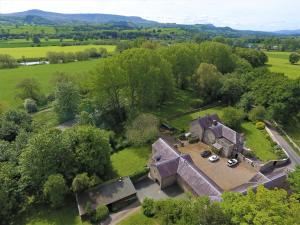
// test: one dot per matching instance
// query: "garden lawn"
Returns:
(44, 74)
(45, 118)
(42, 215)
(255, 139)
(279, 62)
(37, 52)
(130, 160)
(138, 218)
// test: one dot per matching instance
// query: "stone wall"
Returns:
(167, 181)
(185, 186)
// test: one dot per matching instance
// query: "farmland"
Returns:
(9, 78)
(39, 52)
(279, 62)
(14, 43)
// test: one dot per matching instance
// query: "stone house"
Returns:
(211, 131)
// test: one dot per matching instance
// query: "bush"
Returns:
(55, 189)
(100, 214)
(7, 61)
(80, 182)
(148, 207)
(143, 129)
(193, 140)
(138, 174)
(216, 151)
(196, 103)
(257, 114)
(233, 117)
(30, 105)
(260, 125)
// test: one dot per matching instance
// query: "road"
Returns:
(294, 157)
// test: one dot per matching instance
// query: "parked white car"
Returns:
(213, 158)
(232, 162)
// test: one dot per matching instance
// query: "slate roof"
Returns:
(206, 121)
(164, 150)
(219, 129)
(183, 166)
(105, 194)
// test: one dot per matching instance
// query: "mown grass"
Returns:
(44, 215)
(138, 218)
(255, 139)
(44, 74)
(279, 62)
(36, 52)
(130, 160)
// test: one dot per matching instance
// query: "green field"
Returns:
(293, 130)
(9, 78)
(36, 52)
(255, 139)
(138, 218)
(279, 62)
(14, 43)
(130, 160)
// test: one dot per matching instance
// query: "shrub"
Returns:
(55, 189)
(233, 117)
(30, 105)
(100, 214)
(138, 174)
(7, 61)
(193, 140)
(148, 207)
(216, 151)
(260, 125)
(257, 114)
(196, 103)
(80, 182)
(143, 129)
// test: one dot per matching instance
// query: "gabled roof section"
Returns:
(206, 121)
(175, 163)
(164, 151)
(167, 168)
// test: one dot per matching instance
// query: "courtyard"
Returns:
(225, 177)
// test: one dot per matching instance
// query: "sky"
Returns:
(266, 15)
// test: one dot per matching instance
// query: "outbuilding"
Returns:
(114, 194)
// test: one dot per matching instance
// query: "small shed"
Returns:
(114, 194)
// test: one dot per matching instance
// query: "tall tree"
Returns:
(47, 153)
(218, 54)
(66, 101)
(91, 150)
(207, 82)
(263, 207)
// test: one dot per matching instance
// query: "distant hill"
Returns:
(288, 32)
(40, 17)
(51, 17)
